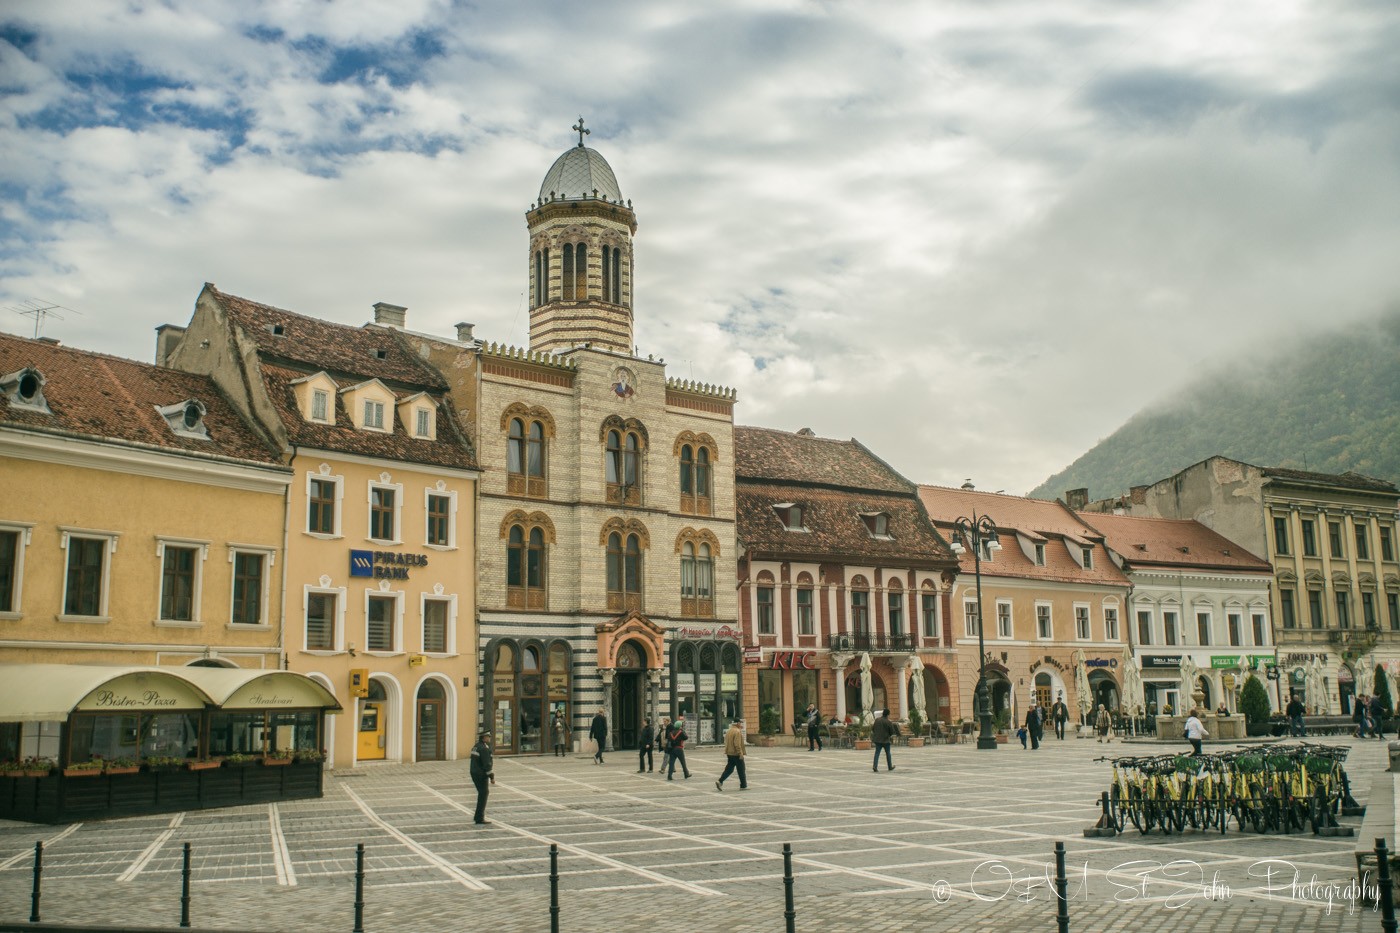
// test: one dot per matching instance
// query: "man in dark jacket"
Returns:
(1377, 717)
(882, 735)
(598, 732)
(814, 725)
(675, 738)
(1060, 714)
(1295, 712)
(663, 742)
(483, 773)
(644, 759)
(1035, 726)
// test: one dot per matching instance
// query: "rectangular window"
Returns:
(765, 610)
(439, 517)
(381, 514)
(1003, 620)
(1315, 609)
(320, 513)
(805, 625)
(435, 625)
(1203, 628)
(1334, 538)
(929, 611)
(320, 621)
(177, 584)
(860, 611)
(970, 618)
(248, 588)
(1261, 633)
(1169, 628)
(1044, 627)
(1309, 539)
(1387, 549)
(1110, 624)
(1343, 611)
(86, 564)
(9, 570)
(896, 619)
(320, 405)
(1392, 606)
(1234, 622)
(374, 415)
(1144, 620)
(1290, 615)
(1363, 542)
(1280, 535)
(1081, 623)
(1040, 555)
(379, 623)
(421, 417)
(1368, 611)
(1088, 554)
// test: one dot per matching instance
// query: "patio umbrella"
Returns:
(1081, 685)
(1133, 695)
(916, 684)
(1189, 674)
(1317, 688)
(867, 695)
(1365, 679)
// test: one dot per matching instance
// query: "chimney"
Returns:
(389, 315)
(967, 485)
(1077, 499)
(168, 337)
(51, 341)
(464, 332)
(1137, 495)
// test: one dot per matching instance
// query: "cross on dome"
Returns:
(578, 128)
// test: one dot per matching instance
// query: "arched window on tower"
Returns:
(607, 273)
(567, 281)
(541, 276)
(580, 272)
(616, 276)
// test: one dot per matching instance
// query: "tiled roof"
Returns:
(1047, 517)
(1174, 542)
(450, 449)
(338, 348)
(766, 454)
(107, 397)
(1347, 480)
(835, 529)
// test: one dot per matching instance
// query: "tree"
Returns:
(1383, 691)
(1254, 702)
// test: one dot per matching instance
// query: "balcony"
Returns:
(868, 641)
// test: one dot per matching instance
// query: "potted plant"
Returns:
(90, 768)
(39, 766)
(1003, 723)
(203, 764)
(770, 723)
(277, 757)
(860, 734)
(1254, 703)
(239, 760)
(11, 768)
(123, 764)
(916, 728)
(163, 763)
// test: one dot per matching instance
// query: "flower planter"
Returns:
(230, 763)
(863, 745)
(1002, 738)
(133, 769)
(276, 762)
(38, 773)
(764, 741)
(203, 765)
(916, 743)
(81, 772)
(158, 769)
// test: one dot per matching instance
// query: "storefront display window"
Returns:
(705, 687)
(770, 701)
(136, 735)
(526, 681)
(804, 692)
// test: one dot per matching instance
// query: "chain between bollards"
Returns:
(1384, 883)
(789, 913)
(185, 889)
(360, 888)
(554, 887)
(1061, 889)
(38, 874)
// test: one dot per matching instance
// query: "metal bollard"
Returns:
(554, 887)
(360, 888)
(789, 913)
(1061, 889)
(185, 889)
(38, 875)
(1384, 883)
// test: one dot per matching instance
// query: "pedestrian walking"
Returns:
(644, 743)
(1377, 711)
(1059, 713)
(882, 735)
(1295, 710)
(559, 734)
(677, 738)
(483, 774)
(1034, 726)
(1358, 716)
(663, 740)
(734, 751)
(598, 732)
(1195, 731)
(1103, 723)
(814, 728)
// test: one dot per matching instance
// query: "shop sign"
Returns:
(793, 660)
(1344, 675)
(685, 683)
(723, 631)
(503, 687)
(559, 685)
(728, 682)
(1224, 660)
(753, 654)
(1302, 658)
(1161, 660)
(359, 682)
(142, 692)
(384, 565)
(1100, 662)
(707, 683)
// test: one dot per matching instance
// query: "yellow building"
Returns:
(380, 582)
(142, 521)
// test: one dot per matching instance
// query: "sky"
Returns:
(977, 236)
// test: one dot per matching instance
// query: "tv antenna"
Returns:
(40, 311)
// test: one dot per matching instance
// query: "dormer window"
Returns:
(1040, 555)
(381, 354)
(423, 421)
(186, 418)
(877, 523)
(320, 405)
(1088, 554)
(25, 390)
(374, 415)
(276, 330)
(790, 514)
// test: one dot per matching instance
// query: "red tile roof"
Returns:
(782, 456)
(110, 398)
(1174, 543)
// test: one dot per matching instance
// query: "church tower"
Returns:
(581, 233)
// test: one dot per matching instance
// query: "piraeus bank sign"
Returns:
(385, 565)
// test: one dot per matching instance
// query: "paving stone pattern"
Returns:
(953, 839)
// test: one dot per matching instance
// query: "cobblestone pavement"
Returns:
(952, 839)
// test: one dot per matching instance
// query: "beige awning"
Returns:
(240, 688)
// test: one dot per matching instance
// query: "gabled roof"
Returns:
(833, 526)
(770, 455)
(1011, 513)
(109, 398)
(1174, 542)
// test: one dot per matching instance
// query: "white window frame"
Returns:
(202, 551)
(1086, 553)
(338, 634)
(1210, 626)
(324, 397)
(397, 597)
(422, 422)
(969, 614)
(1245, 635)
(1110, 623)
(1081, 614)
(1010, 630)
(758, 625)
(378, 409)
(398, 511)
(264, 607)
(450, 494)
(811, 620)
(931, 622)
(1264, 629)
(1049, 608)
(423, 601)
(1040, 555)
(110, 537)
(338, 517)
(24, 536)
(1176, 629)
(890, 596)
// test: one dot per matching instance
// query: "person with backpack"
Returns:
(677, 737)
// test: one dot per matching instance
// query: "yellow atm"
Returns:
(373, 725)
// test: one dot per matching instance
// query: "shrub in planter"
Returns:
(1383, 691)
(83, 768)
(121, 765)
(163, 763)
(1254, 703)
(310, 755)
(239, 760)
(770, 721)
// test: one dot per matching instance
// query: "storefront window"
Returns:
(705, 687)
(524, 700)
(770, 701)
(135, 735)
(804, 692)
(503, 694)
(531, 701)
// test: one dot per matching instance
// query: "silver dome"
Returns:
(577, 173)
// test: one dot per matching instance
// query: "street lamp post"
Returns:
(977, 531)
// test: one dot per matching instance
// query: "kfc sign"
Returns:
(793, 660)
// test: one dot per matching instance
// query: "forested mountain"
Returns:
(1329, 403)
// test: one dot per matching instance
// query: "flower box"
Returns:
(916, 742)
(241, 762)
(275, 762)
(36, 772)
(81, 772)
(122, 769)
(863, 745)
(204, 765)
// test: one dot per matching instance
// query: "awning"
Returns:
(51, 692)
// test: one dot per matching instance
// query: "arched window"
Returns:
(695, 458)
(504, 698)
(894, 615)
(541, 294)
(515, 449)
(580, 272)
(607, 273)
(525, 457)
(697, 581)
(525, 568)
(624, 467)
(625, 572)
(530, 660)
(806, 622)
(616, 276)
(567, 280)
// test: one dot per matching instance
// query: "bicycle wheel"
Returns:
(1117, 809)
(1137, 810)
(1273, 813)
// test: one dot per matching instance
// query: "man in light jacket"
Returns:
(1195, 731)
(734, 749)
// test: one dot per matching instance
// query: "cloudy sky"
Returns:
(977, 236)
